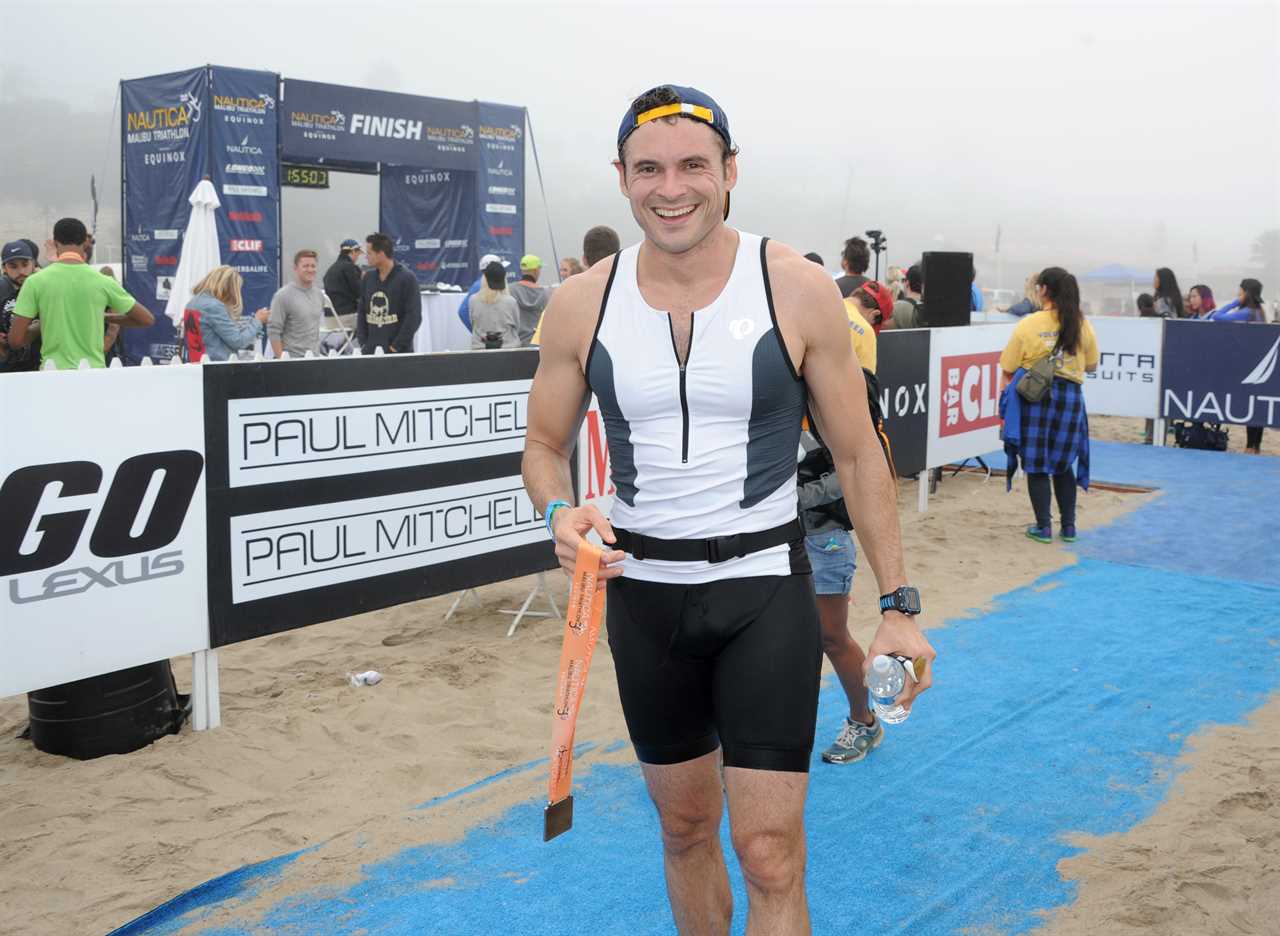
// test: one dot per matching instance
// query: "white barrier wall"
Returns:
(964, 392)
(1127, 381)
(102, 543)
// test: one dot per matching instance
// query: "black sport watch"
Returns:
(905, 600)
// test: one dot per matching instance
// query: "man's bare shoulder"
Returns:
(574, 309)
(796, 282)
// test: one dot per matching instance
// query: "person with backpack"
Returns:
(908, 309)
(1046, 425)
(833, 555)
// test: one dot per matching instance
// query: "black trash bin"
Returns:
(112, 714)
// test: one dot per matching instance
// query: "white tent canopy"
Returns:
(200, 252)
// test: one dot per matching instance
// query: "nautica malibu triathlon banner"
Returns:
(500, 182)
(245, 170)
(164, 136)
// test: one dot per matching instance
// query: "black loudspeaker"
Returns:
(947, 280)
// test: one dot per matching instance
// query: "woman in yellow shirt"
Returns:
(1054, 433)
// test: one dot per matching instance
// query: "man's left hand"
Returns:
(899, 633)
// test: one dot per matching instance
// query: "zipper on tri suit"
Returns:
(684, 398)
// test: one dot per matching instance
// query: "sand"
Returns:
(304, 758)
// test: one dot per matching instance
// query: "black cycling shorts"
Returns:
(733, 663)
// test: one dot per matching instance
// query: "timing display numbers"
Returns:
(305, 177)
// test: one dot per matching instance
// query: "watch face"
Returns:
(910, 600)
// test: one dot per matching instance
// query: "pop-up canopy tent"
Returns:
(451, 176)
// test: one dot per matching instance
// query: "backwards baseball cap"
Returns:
(880, 293)
(350, 244)
(530, 262)
(690, 103)
(16, 250)
(491, 258)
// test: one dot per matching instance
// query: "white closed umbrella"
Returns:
(200, 252)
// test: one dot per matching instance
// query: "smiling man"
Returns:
(703, 344)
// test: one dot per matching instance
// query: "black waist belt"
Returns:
(716, 549)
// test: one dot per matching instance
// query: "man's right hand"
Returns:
(571, 524)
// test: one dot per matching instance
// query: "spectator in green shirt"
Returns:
(68, 297)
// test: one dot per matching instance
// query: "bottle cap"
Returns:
(882, 663)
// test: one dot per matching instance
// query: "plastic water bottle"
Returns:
(885, 682)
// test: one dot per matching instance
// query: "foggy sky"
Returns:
(1089, 134)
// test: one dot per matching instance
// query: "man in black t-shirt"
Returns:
(390, 302)
(19, 262)
(854, 260)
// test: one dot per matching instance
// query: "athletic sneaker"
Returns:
(1068, 534)
(1040, 534)
(854, 742)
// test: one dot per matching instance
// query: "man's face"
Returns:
(305, 271)
(18, 270)
(676, 180)
(375, 258)
(356, 255)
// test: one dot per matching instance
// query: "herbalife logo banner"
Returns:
(1222, 372)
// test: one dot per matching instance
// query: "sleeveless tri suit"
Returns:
(713, 625)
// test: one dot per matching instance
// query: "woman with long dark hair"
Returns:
(1052, 434)
(1167, 295)
(1246, 307)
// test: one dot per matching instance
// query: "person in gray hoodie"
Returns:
(495, 317)
(530, 297)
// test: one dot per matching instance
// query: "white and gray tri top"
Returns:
(707, 449)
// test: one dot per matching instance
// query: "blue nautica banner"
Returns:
(164, 154)
(430, 214)
(500, 182)
(245, 170)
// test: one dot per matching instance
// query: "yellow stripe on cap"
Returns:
(670, 110)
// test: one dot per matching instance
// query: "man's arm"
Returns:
(557, 404)
(410, 316)
(138, 316)
(19, 331)
(275, 323)
(813, 318)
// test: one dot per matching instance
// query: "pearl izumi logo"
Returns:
(50, 509)
(391, 128)
(742, 328)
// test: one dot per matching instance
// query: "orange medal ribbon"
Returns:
(582, 628)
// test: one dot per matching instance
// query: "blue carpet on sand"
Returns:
(1062, 710)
